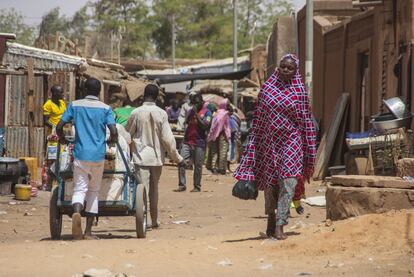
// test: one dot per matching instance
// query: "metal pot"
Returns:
(387, 122)
(9, 169)
(397, 107)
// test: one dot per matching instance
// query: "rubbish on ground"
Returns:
(13, 203)
(333, 265)
(211, 247)
(408, 178)
(225, 262)
(328, 223)
(87, 256)
(266, 267)
(3, 212)
(93, 272)
(321, 190)
(129, 251)
(27, 214)
(180, 222)
(319, 201)
(129, 265)
(298, 225)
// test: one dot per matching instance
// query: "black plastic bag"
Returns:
(245, 190)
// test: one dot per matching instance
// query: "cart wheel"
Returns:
(141, 211)
(55, 217)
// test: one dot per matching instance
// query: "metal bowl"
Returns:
(397, 107)
(387, 122)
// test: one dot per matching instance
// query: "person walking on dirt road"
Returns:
(90, 117)
(151, 138)
(281, 147)
(194, 144)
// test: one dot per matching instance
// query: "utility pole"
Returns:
(309, 50)
(235, 51)
(173, 40)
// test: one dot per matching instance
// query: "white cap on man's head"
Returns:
(192, 93)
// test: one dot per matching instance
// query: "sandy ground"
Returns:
(221, 239)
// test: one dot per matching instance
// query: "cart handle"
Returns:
(128, 170)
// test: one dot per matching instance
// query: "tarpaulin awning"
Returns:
(176, 78)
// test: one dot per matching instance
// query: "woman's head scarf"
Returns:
(221, 122)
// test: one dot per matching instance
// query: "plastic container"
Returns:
(31, 163)
(23, 192)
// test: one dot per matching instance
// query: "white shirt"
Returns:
(185, 110)
(151, 136)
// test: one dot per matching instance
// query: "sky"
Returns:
(33, 10)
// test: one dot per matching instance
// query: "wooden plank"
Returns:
(344, 202)
(321, 149)
(371, 181)
(323, 158)
(337, 153)
(30, 86)
(30, 75)
(30, 104)
(400, 184)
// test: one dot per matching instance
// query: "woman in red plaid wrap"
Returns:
(281, 145)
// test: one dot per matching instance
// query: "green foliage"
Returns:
(257, 18)
(204, 28)
(12, 21)
(53, 22)
(128, 18)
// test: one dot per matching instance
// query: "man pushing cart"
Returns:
(90, 117)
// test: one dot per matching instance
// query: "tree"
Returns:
(79, 24)
(203, 28)
(12, 21)
(258, 18)
(53, 22)
(128, 18)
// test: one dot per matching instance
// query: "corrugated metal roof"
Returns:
(16, 57)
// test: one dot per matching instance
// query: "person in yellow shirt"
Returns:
(54, 108)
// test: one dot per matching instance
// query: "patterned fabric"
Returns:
(220, 123)
(282, 137)
(299, 192)
(279, 197)
(219, 149)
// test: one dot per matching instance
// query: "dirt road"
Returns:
(221, 239)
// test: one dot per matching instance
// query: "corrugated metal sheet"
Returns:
(17, 142)
(39, 144)
(16, 55)
(17, 100)
(17, 91)
(38, 95)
